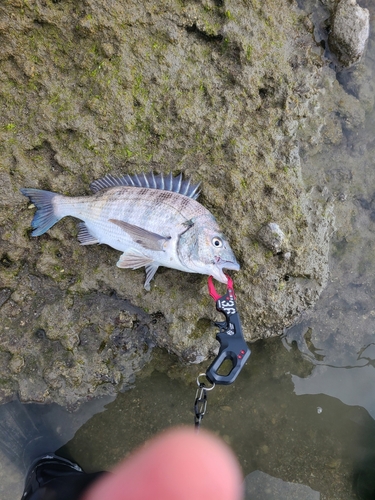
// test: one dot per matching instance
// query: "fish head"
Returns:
(204, 249)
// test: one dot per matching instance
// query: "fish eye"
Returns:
(217, 242)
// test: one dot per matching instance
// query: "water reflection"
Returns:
(353, 386)
(270, 427)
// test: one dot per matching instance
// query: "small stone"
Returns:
(108, 49)
(271, 236)
(309, 25)
(70, 340)
(227, 439)
(126, 319)
(334, 463)
(16, 363)
(226, 408)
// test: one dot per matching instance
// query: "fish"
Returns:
(153, 219)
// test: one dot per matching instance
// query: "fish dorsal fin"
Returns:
(150, 180)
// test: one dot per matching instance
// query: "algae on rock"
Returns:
(221, 91)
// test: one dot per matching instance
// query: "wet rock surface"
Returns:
(71, 347)
(223, 92)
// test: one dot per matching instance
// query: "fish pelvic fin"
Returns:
(150, 273)
(45, 216)
(84, 235)
(147, 239)
(133, 260)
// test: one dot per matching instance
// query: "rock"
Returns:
(16, 363)
(349, 32)
(226, 94)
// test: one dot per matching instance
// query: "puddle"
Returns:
(315, 440)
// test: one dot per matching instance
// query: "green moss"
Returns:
(201, 327)
(254, 268)
(205, 301)
(124, 152)
(225, 45)
(249, 52)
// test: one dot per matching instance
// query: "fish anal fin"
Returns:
(133, 260)
(84, 235)
(147, 239)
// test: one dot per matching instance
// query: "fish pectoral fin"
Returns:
(150, 273)
(133, 260)
(147, 239)
(84, 235)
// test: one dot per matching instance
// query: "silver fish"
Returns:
(154, 220)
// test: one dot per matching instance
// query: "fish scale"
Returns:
(161, 225)
(167, 208)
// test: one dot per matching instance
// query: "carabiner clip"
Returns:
(230, 336)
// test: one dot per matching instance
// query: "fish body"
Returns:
(154, 220)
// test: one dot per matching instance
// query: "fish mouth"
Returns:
(218, 272)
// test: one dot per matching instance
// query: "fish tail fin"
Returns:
(45, 216)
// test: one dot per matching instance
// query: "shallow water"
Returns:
(303, 408)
